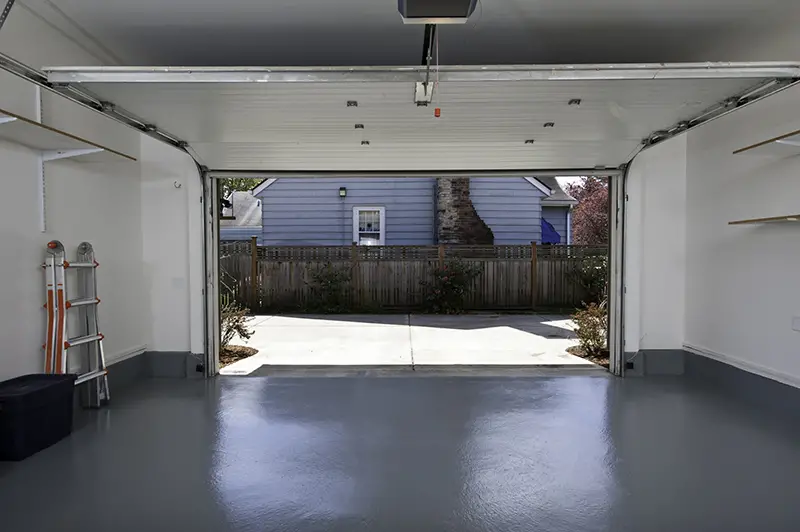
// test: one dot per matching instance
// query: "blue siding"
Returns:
(308, 211)
(511, 207)
(238, 233)
(557, 216)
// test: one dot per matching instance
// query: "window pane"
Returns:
(369, 239)
(369, 221)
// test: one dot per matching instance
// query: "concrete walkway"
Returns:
(410, 341)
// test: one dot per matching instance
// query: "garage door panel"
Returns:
(211, 112)
(257, 125)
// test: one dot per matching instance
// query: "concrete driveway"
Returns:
(410, 341)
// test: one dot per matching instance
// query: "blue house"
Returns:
(394, 211)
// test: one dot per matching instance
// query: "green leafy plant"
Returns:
(330, 287)
(591, 274)
(592, 325)
(234, 318)
(449, 287)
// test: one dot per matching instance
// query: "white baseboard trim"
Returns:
(125, 355)
(750, 367)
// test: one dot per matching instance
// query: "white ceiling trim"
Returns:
(290, 174)
(641, 71)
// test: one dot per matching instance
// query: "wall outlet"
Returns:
(796, 323)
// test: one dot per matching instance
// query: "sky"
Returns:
(567, 180)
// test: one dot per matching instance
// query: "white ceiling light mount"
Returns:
(436, 11)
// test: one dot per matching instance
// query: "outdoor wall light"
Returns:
(342, 192)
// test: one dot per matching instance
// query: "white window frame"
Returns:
(381, 210)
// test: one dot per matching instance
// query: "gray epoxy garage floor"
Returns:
(463, 454)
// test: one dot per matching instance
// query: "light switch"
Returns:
(796, 323)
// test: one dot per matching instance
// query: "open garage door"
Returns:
(365, 119)
(491, 120)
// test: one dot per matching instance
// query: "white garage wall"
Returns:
(726, 292)
(173, 247)
(741, 281)
(99, 203)
(655, 239)
(150, 279)
(28, 38)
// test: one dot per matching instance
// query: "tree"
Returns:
(590, 215)
(242, 184)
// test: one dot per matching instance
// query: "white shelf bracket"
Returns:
(4, 119)
(56, 155)
(40, 186)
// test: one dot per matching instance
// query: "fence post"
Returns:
(441, 256)
(534, 276)
(355, 277)
(253, 273)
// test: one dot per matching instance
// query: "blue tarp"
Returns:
(549, 234)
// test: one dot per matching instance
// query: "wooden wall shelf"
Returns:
(783, 146)
(54, 143)
(776, 219)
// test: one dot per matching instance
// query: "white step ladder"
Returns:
(58, 343)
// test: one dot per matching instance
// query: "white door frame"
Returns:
(616, 274)
(211, 251)
(617, 219)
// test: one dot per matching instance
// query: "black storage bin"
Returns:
(35, 413)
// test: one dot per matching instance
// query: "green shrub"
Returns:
(592, 325)
(330, 287)
(448, 289)
(233, 321)
(591, 274)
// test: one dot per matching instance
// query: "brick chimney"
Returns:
(457, 220)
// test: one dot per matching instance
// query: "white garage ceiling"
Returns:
(267, 120)
(370, 32)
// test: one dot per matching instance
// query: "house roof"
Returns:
(263, 185)
(559, 198)
(246, 210)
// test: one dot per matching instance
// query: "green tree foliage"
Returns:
(330, 288)
(449, 287)
(234, 318)
(241, 184)
(591, 326)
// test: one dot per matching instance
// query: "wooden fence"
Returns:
(389, 277)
